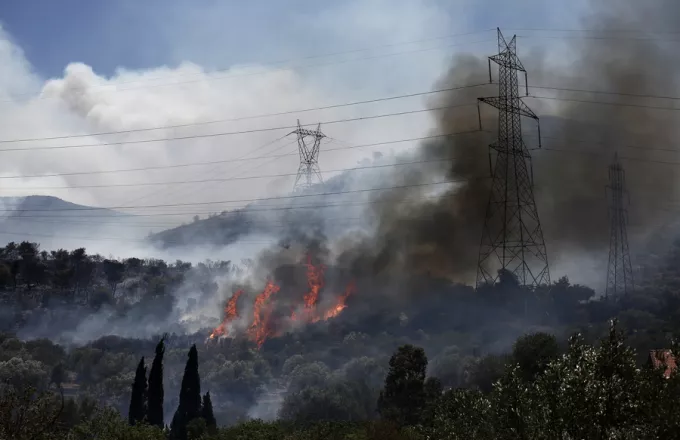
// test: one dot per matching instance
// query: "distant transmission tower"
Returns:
(308, 173)
(512, 239)
(620, 271)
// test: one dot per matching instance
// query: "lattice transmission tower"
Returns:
(309, 144)
(619, 271)
(512, 238)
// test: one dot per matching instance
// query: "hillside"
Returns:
(284, 216)
(51, 220)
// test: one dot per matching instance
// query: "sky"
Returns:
(75, 69)
(216, 34)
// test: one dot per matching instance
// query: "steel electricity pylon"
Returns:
(308, 173)
(512, 238)
(619, 271)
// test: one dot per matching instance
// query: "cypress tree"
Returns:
(189, 398)
(137, 409)
(155, 400)
(403, 398)
(207, 412)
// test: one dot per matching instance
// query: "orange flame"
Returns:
(340, 305)
(260, 328)
(230, 312)
(316, 283)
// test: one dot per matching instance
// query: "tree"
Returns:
(461, 414)
(108, 425)
(189, 398)
(533, 353)
(77, 257)
(591, 393)
(28, 415)
(340, 400)
(58, 374)
(137, 411)
(403, 398)
(31, 269)
(307, 375)
(114, 271)
(486, 371)
(619, 379)
(513, 409)
(156, 395)
(449, 367)
(207, 412)
(23, 373)
(507, 280)
(433, 392)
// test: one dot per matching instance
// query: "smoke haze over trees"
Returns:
(348, 311)
(424, 228)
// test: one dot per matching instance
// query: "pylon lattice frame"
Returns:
(512, 238)
(619, 270)
(308, 172)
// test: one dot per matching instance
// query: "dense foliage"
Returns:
(593, 392)
(499, 363)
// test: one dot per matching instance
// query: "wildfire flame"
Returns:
(264, 324)
(340, 305)
(316, 282)
(230, 313)
(260, 329)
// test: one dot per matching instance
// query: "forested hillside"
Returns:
(334, 369)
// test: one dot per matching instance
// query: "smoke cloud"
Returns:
(427, 221)
(420, 227)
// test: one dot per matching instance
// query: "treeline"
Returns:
(584, 391)
(31, 278)
(465, 332)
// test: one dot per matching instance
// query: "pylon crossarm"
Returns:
(509, 105)
(509, 61)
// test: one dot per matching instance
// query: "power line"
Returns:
(615, 104)
(264, 224)
(366, 167)
(264, 72)
(239, 212)
(604, 31)
(327, 171)
(596, 153)
(224, 216)
(636, 147)
(345, 52)
(327, 107)
(269, 64)
(212, 135)
(242, 118)
(265, 145)
(374, 144)
(341, 221)
(259, 199)
(227, 179)
(593, 37)
(138, 240)
(601, 92)
(29, 235)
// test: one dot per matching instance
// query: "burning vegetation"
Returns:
(230, 313)
(266, 319)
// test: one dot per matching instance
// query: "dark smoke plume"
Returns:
(418, 231)
(442, 236)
